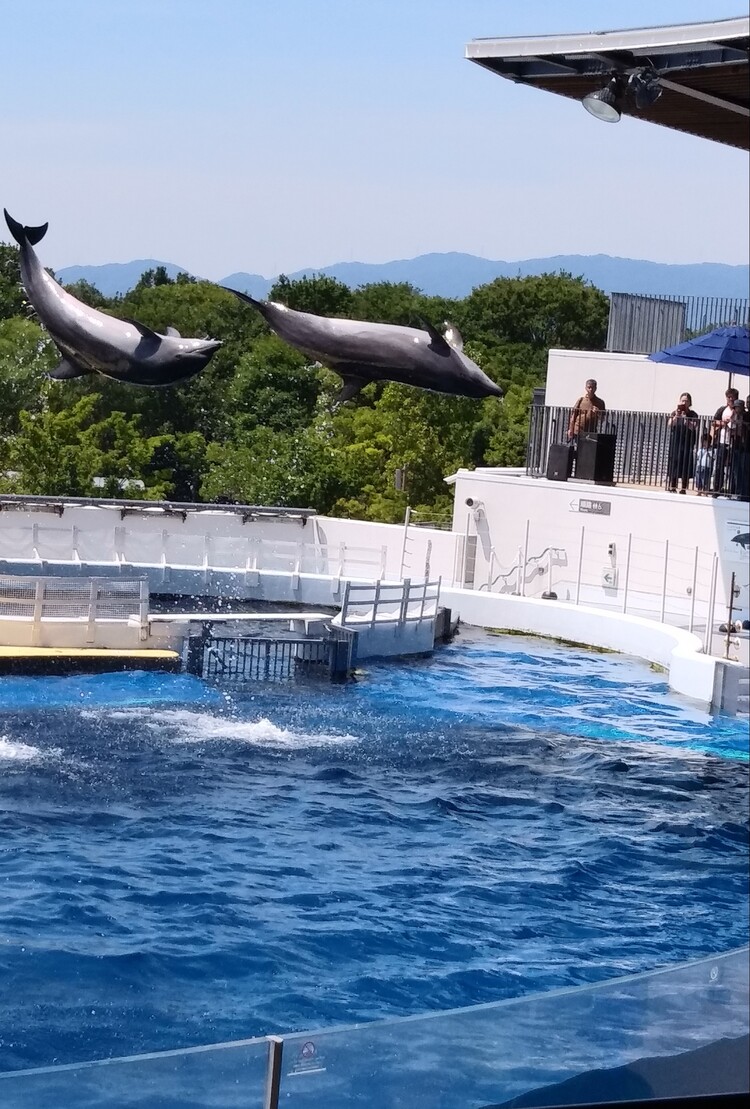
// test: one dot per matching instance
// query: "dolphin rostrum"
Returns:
(93, 342)
(361, 352)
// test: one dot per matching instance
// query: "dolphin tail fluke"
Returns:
(244, 296)
(22, 234)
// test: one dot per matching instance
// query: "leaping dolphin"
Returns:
(93, 342)
(361, 352)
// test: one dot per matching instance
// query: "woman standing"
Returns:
(683, 426)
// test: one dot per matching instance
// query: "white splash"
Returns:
(184, 726)
(17, 752)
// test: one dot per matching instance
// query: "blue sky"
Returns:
(228, 135)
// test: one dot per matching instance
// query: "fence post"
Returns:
(729, 617)
(91, 625)
(35, 541)
(664, 582)
(710, 611)
(405, 601)
(383, 560)
(580, 565)
(273, 1072)
(342, 558)
(375, 604)
(519, 572)
(143, 608)
(491, 570)
(428, 556)
(407, 517)
(525, 557)
(36, 629)
(692, 592)
(345, 602)
(74, 533)
(549, 570)
(626, 587)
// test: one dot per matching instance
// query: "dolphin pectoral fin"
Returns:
(453, 336)
(352, 384)
(438, 342)
(68, 370)
(173, 333)
(21, 234)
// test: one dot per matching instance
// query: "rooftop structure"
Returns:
(691, 77)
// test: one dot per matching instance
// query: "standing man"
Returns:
(725, 422)
(586, 412)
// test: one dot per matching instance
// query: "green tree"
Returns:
(83, 290)
(319, 294)
(26, 355)
(12, 296)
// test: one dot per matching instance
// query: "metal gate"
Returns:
(237, 660)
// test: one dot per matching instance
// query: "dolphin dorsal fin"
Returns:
(437, 341)
(173, 333)
(453, 336)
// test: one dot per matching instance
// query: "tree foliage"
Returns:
(260, 424)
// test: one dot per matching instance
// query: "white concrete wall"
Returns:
(97, 539)
(679, 534)
(690, 672)
(633, 381)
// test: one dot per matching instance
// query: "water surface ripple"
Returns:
(180, 867)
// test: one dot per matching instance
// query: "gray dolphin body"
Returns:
(361, 352)
(93, 342)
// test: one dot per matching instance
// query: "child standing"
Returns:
(704, 461)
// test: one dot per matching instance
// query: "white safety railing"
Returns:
(123, 546)
(389, 603)
(657, 579)
(81, 599)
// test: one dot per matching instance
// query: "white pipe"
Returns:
(664, 582)
(580, 565)
(693, 588)
(627, 573)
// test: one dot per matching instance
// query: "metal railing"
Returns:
(389, 602)
(237, 660)
(643, 323)
(87, 599)
(648, 452)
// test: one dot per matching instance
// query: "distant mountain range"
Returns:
(455, 275)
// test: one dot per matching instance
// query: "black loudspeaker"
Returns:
(560, 462)
(595, 457)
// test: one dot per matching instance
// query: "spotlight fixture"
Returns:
(645, 86)
(604, 104)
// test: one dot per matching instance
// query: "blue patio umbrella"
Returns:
(725, 348)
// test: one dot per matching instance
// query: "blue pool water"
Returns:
(180, 866)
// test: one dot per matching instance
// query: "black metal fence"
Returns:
(237, 660)
(643, 323)
(691, 454)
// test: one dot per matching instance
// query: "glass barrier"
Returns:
(488, 1055)
(223, 1076)
(664, 1034)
